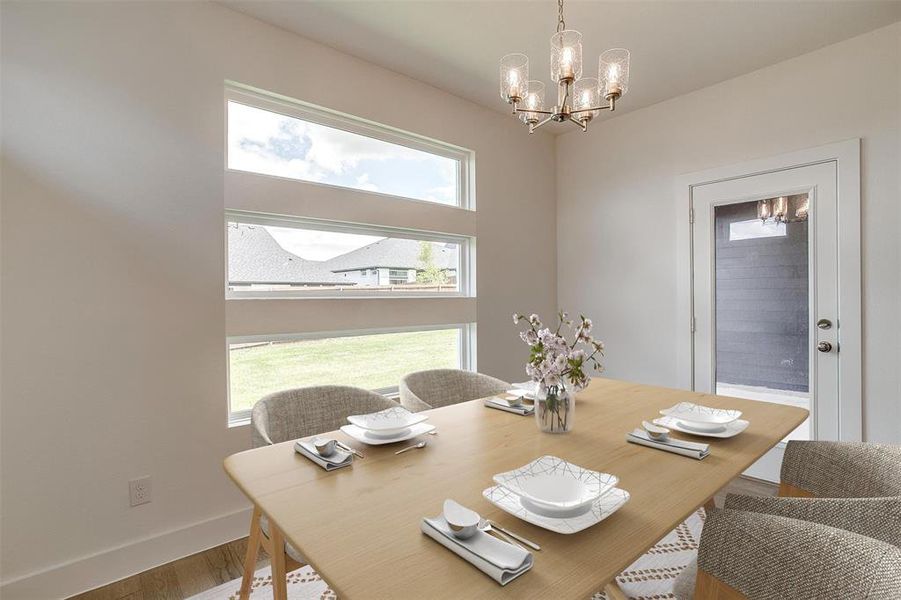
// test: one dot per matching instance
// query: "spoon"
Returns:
(655, 431)
(485, 526)
(347, 448)
(421, 444)
(325, 447)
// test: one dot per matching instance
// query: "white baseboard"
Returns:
(92, 571)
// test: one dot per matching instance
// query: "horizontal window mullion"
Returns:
(265, 194)
(274, 316)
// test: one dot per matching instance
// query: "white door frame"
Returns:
(846, 156)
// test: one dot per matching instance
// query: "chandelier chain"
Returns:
(561, 24)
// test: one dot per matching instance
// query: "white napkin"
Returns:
(501, 404)
(499, 560)
(337, 460)
(690, 449)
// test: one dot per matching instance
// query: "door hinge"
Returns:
(691, 216)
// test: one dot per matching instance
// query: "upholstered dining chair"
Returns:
(284, 416)
(850, 486)
(762, 556)
(423, 390)
(840, 470)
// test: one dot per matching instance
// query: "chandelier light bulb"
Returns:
(566, 56)
(613, 71)
(763, 210)
(534, 101)
(586, 96)
(566, 63)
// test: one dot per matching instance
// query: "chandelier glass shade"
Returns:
(579, 99)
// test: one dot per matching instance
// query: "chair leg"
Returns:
(279, 567)
(250, 559)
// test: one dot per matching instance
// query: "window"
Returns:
(314, 145)
(302, 258)
(338, 224)
(374, 360)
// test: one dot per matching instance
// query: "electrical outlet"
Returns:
(139, 491)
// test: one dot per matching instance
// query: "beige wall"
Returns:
(616, 213)
(112, 266)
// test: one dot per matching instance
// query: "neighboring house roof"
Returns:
(392, 253)
(255, 257)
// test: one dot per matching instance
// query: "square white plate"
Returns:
(599, 510)
(389, 421)
(367, 437)
(554, 484)
(703, 415)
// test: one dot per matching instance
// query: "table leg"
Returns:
(250, 559)
(279, 568)
(710, 504)
(614, 592)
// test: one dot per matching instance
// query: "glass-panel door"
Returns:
(764, 276)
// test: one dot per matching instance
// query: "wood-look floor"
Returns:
(193, 574)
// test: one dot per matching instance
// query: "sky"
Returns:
(266, 142)
(318, 245)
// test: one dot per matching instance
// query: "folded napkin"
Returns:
(337, 460)
(499, 560)
(501, 404)
(690, 449)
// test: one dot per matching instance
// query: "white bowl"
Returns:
(388, 422)
(700, 416)
(554, 485)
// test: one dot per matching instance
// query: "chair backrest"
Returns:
(301, 412)
(841, 469)
(441, 387)
(767, 557)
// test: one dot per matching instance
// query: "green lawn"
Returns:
(368, 361)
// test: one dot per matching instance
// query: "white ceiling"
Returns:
(676, 46)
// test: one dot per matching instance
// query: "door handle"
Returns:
(824, 347)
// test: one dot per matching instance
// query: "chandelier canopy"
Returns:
(578, 98)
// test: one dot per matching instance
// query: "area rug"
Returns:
(651, 577)
(648, 578)
(303, 584)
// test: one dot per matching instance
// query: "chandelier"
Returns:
(578, 98)
(780, 209)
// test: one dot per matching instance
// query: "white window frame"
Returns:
(465, 268)
(467, 354)
(289, 107)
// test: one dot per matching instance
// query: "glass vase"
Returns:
(555, 409)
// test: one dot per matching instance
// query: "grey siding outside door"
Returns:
(761, 304)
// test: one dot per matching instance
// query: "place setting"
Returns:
(690, 418)
(517, 401)
(696, 419)
(548, 492)
(389, 426)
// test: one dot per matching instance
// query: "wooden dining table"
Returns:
(359, 527)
